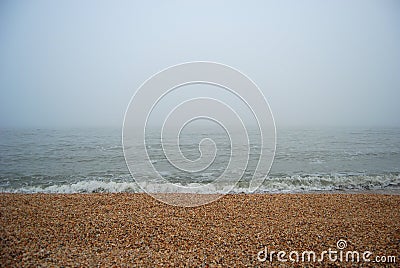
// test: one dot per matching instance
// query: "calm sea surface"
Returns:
(306, 159)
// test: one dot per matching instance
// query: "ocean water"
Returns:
(86, 160)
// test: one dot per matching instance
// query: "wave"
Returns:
(92, 186)
(288, 184)
(331, 183)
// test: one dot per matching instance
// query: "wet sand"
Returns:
(137, 230)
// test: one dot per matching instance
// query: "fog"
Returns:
(318, 63)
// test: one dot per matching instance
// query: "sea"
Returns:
(91, 160)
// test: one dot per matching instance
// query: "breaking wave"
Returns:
(283, 184)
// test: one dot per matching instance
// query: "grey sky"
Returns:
(77, 63)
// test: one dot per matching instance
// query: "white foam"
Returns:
(92, 186)
(270, 185)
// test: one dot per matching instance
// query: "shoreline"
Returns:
(135, 229)
(346, 191)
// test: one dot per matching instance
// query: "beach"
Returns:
(127, 229)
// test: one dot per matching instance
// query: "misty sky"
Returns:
(77, 63)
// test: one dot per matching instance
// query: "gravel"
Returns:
(128, 229)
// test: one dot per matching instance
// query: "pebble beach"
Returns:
(135, 230)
